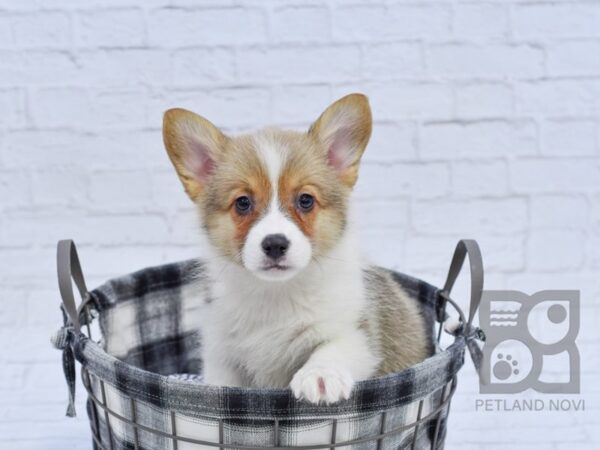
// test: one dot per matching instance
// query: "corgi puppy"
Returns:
(289, 301)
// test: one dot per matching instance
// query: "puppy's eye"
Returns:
(305, 202)
(243, 205)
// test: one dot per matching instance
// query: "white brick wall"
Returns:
(486, 126)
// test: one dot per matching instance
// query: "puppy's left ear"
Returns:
(194, 146)
(345, 128)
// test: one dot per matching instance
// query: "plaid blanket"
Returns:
(148, 322)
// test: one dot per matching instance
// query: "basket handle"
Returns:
(470, 248)
(69, 270)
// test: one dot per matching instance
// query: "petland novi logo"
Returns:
(530, 342)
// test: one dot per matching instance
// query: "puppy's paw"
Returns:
(322, 384)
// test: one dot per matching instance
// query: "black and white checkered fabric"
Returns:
(148, 321)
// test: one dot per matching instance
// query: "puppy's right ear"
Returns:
(193, 145)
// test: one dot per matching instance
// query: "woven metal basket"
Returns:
(146, 322)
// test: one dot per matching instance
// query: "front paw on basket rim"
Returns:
(322, 384)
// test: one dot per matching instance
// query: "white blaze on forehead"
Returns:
(275, 221)
(272, 157)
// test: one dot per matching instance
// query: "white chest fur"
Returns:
(266, 331)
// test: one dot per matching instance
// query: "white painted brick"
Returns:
(503, 253)
(580, 445)
(359, 22)
(428, 253)
(574, 58)
(300, 24)
(381, 213)
(375, 241)
(477, 140)
(568, 138)
(592, 257)
(185, 251)
(37, 67)
(31, 265)
(480, 178)
(43, 307)
(15, 315)
(492, 61)
(532, 281)
(347, 87)
(595, 213)
(558, 97)
(302, 64)
(480, 20)
(47, 29)
(13, 376)
(393, 60)
(559, 212)
(30, 148)
(374, 22)
(117, 230)
(403, 180)
(185, 229)
(412, 21)
(119, 190)
(6, 32)
(392, 142)
(12, 105)
(530, 436)
(179, 27)
(107, 262)
(167, 191)
(395, 101)
(48, 227)
(556, 20)
(64, 188)
(110, 28)
(470, 218)
(397, 21)
(74, 5)
(85, 151)
(476, 100)
(555, 250)
(231, 108)
(299, 103)
(197, 66)
(555, 176)
(117, 68)
(15, 189)
(88, 110)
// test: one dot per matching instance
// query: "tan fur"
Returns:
(179, 128)
(394, 323)
(304, 171)
(240, 172)
(356, 105)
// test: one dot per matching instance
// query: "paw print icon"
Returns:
(529, 339)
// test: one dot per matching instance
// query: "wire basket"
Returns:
(146, 322)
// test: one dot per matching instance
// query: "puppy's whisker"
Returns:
(220, 274)
(316, 260)
(333, 258)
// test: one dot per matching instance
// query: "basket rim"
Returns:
(196, 399)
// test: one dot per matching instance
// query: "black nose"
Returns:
(275, 245)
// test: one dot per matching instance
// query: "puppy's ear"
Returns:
(344, 128)
(193, 145)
